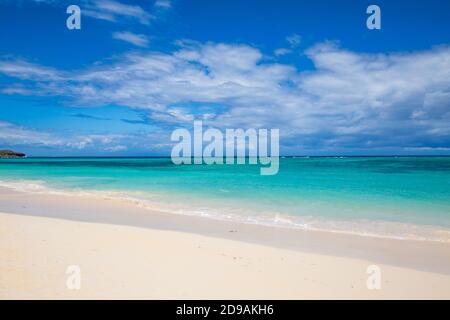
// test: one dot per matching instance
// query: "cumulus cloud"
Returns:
(139, 40)
(350, 99)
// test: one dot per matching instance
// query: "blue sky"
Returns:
(139, 69)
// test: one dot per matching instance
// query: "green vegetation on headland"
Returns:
(11, 154)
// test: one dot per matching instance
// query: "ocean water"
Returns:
(401, 197)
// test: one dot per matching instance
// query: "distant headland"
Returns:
(11, 154)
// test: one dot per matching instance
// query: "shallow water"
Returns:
(385, 196)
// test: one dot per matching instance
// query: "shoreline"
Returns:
(417, 254)
(363, 228)
(159, 255)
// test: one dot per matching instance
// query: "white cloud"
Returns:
(116, 148)
(25, 70)
(294, 40)
(17, 136)
(111, 10)
(282, 51)
(350, 99)
(136, 39)
(165, 4)
(11, 134)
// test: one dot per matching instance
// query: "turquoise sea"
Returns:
(403, 197)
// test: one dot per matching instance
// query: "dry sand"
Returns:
(132, 253)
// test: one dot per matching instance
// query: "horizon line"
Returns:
(281, 156)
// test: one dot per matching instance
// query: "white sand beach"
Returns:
(127, 252)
